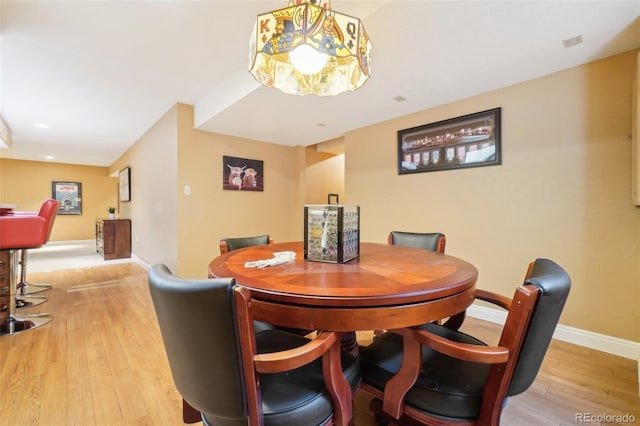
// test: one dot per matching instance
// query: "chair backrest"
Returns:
(434, 241)
(554, 284)
(230, 244)
(204, 352)
(49, 210)
(25, 230)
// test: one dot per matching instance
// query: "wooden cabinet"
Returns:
(113, 238)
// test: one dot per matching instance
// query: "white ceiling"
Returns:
(100, 73)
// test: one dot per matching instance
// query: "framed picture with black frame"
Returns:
(242, 174)
(124, 185)
(471, 140)
(69, 195)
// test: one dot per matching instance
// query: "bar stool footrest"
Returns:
(15, 324)
(27, 301)
(27, 288)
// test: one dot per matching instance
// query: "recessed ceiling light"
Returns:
(41, 126)
(321, 124)
(49, 157)
(570, 42)
(399, 99)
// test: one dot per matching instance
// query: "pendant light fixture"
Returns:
(307, 48)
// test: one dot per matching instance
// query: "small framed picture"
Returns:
(242, 174)
(69, 195)
(124, 184)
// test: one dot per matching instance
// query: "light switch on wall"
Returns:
(187, 190)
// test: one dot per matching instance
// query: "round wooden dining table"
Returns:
(385, 287)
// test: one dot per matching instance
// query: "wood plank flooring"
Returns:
(101, 362)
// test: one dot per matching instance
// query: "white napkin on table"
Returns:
(278, 258)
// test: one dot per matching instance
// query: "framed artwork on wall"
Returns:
(69, 195)
(469, 141)
(242, 174)
(124, 185)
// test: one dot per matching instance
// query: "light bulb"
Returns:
(307, 60)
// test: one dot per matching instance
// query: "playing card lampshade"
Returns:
(307, 48)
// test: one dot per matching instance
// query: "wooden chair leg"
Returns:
(455, 322)
(375, 406)
(190, 414)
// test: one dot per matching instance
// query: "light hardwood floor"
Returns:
(101, 362)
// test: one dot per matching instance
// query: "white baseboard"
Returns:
(613, 345)
(140, 262)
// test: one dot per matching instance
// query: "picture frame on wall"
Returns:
(242, 174)
(69, 195)
(124, 185)
(471, 140)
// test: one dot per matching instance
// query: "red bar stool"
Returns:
(24, 289)
(19, 232)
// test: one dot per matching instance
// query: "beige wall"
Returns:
(635, 155)
(28, 184)
(153, 208)
(211, 213)
(324, 174)
(635, 142)
(562, 192)
(183, 231)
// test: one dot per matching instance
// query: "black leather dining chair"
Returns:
(236, 243)
(451, 378)
(229, 375)
(434, 241)
(229, 244)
